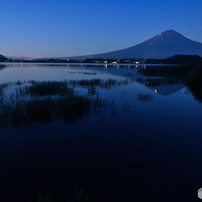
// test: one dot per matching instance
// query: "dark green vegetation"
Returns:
(94, 83)
(68, 108)
(48, 88)
(182, 59)
(2, 87)
(100, 83)
(45, 101)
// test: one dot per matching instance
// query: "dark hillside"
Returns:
(3, 58)
(182, 59)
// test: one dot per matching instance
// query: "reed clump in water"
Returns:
(44, 88)
(45, 101)
(68, 108)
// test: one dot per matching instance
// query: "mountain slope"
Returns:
(163, 45)
(2, 58)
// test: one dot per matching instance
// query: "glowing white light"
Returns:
(200, 193)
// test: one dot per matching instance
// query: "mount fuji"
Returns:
(163, 45)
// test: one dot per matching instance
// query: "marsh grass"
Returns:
(73, 107)
(107, 84)
(93, 82)
(89, 73)
(12, 115)
(45, 110)
(2, 87)
(45, 101)
(39, 109)
(85, 73)
(18, 83)
(45, 88)
(49, 88)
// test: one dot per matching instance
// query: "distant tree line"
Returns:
(182, 59)
(176, 59)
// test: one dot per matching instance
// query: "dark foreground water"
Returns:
(144, 145)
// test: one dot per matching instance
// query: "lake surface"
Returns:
(143, 144)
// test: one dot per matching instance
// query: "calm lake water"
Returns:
(145, 144)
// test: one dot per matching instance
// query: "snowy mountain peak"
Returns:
(163, 45)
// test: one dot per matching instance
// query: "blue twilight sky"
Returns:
(51, 28)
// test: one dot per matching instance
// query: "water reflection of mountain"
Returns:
(171, 79)
(168, 90)
(162, 86)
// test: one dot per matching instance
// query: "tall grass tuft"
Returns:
(73, 107)
(2, 87)
(39, 109)
(44, 88)
(68, 108)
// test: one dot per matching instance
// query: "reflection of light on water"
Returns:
(105, 66)
(155, 91)
(144, 67)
